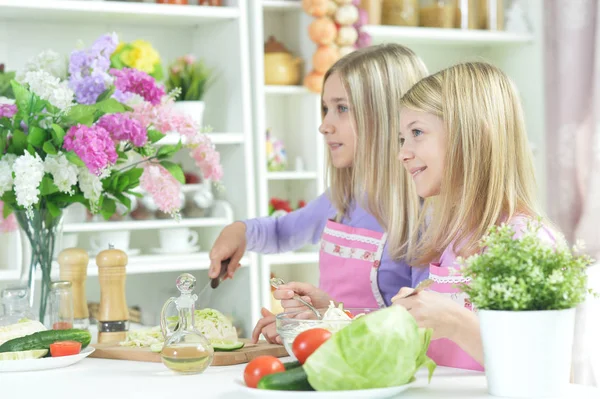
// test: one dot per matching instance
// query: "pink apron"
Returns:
(443, 351)
(349, 260)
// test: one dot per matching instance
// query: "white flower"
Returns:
(29, 171)
(6, 100)
(48, 61)
(50, 88)
(63, 172)
(6, 179)
(90, 186)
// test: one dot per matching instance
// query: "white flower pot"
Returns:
(194, 109)
(527, 353)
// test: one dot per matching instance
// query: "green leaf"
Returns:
(110, 106)
(64, 198)
(135, 194)
(7, 210)
(9, 197)
(19, 142)
(37, 136)
(58, 134)
(83, 114)
(30, 149)
(106, 94)
(49, 148)
(54, 210)
(114, 182)
(109, 206)
(123, 183)
(47, 186)
(167, 150)
(74, 159)
(154, 135)
(175, 170)
(134, 176)
(23, 97)
(124, 200)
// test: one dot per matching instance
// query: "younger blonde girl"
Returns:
(465, 147)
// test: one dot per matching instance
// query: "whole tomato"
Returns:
(261, 366)
(308, 341)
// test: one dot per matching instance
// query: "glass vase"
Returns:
(39, 232)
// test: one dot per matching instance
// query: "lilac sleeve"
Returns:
(289, 232)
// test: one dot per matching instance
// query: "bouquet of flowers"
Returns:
(190, 76)
(81, 131)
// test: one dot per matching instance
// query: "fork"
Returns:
(276, 282)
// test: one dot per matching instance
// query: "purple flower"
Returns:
(364, 40)
(93, 145)
(130, 81)
(123, 127)
(88, 69)
(7, 110)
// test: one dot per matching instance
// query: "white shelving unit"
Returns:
(218, 35)
(293, 115)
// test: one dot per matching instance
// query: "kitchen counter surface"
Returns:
(102, 378)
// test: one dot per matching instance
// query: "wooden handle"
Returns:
(73, 263)
(111, 275)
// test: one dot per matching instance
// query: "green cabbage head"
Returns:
(379, 350)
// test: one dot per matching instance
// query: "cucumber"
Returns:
(43, 339)
(291, 365)
(294, 379)
(226, 346)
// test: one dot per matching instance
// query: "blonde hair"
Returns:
(489, 174)
(375, 78)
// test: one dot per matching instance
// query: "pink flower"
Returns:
(162, 187)
(123, 127)
(208, 160)
(189, 59)
(130, 81)
(7, 110)
(10, 223)
(93, 145)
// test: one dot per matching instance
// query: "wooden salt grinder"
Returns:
(113, 316)
(73, 264)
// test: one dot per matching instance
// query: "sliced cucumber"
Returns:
(23, 355)
(226, 346)
(157, 347)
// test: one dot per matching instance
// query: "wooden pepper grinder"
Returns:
(113, 316)
(73, 264)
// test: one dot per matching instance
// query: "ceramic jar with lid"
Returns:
(281, 67)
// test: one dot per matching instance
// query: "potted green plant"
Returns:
(5, 86)
(192, 78)
(525, 291)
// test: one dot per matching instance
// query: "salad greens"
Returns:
(214, 325)
(379, 350)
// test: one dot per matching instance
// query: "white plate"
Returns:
(170, 251)
(45, 363)
(355, 394)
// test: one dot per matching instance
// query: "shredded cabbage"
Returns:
(210, 322)
(333, 313)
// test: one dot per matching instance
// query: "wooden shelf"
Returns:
(437, 36)
(281, 5)
(143, 264)
(144, 224)
(291, 175)
(113, 12)
(216, 138)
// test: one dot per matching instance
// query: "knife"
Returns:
(206, 293)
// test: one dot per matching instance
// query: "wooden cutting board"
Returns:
(244, 355)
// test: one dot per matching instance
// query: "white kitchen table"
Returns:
(110, 379)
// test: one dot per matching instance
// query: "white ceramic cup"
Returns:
(119, 240)
(181, 239)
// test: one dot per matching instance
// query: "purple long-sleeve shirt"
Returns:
(305, 225)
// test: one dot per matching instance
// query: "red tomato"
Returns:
(62, 325)
(308, 341)
(65, 348)
(261, 366)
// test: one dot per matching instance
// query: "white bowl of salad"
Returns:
(290, 324)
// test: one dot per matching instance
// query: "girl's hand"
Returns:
(266, 326)
(231, 244)
(311, 294)
(432, 310)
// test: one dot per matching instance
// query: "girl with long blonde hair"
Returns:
(464, 146)
(360, 99)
